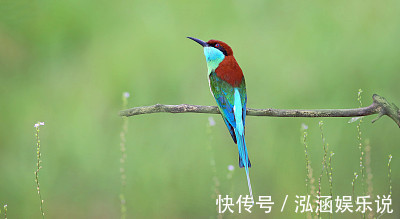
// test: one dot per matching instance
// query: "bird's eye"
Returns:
(217, 45)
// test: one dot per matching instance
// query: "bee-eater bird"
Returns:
(228, 87)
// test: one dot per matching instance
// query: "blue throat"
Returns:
(213, 58)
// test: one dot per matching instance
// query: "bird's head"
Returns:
(215, 52)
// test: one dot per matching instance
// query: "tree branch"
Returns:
(379, 106)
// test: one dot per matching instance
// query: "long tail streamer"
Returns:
(244, 159)
(239, 132)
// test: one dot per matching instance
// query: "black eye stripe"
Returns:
(220, 48)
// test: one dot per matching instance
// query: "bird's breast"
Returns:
(230, 71)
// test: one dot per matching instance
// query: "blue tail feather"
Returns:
(244, 158)
(239, 133)
(241, 165)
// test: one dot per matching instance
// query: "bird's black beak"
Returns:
(201, 42)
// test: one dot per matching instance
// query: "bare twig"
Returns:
(379, 106)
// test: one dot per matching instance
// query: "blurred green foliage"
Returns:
(67, 63)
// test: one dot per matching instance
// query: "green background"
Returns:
(67, 63)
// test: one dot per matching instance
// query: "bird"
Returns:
(228, 87)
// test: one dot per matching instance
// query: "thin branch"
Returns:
(379, 106)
